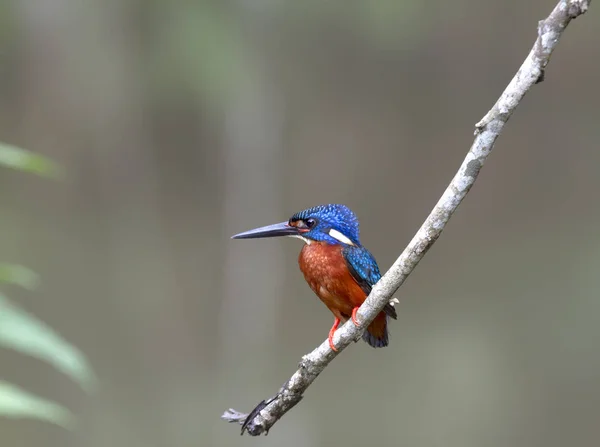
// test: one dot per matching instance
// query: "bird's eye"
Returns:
(310, 222)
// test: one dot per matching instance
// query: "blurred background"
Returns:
(180, 123)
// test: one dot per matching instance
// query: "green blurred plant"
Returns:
(22, 160)
(23, 332)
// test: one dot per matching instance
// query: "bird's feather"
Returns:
(365, 271)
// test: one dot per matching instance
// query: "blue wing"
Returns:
(365, 271)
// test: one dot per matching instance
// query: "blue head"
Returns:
(333, 224)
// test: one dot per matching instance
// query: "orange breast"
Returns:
(325, 271)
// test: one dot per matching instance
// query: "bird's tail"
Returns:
(376, 334)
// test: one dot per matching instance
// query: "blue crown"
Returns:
(332, 216)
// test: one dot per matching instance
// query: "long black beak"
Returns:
(280, 229)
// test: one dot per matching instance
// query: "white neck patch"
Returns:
(340, 237)
(306, 240)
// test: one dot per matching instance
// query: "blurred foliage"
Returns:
(189, 37)
(20, 159)
(18, 275)
(18, 403)
(26, 334)
(206, 48)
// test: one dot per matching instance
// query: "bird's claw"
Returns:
(331, 332)
(331, 345)
(354, 319)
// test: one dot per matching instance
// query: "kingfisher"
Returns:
(339, 270)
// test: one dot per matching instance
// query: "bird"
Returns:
(339, 270)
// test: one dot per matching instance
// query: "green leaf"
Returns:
(17, 158)
(18, 275)
(28, 335)
(18, 403)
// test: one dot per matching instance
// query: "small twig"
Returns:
(267, 413)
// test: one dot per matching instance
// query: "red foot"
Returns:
(336, 323)
(354, 320)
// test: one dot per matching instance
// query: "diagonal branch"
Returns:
(267, 413)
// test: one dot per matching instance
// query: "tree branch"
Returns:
(268, 412)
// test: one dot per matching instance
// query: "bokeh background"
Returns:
(180, 123)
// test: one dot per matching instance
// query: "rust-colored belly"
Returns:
(326, 273)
